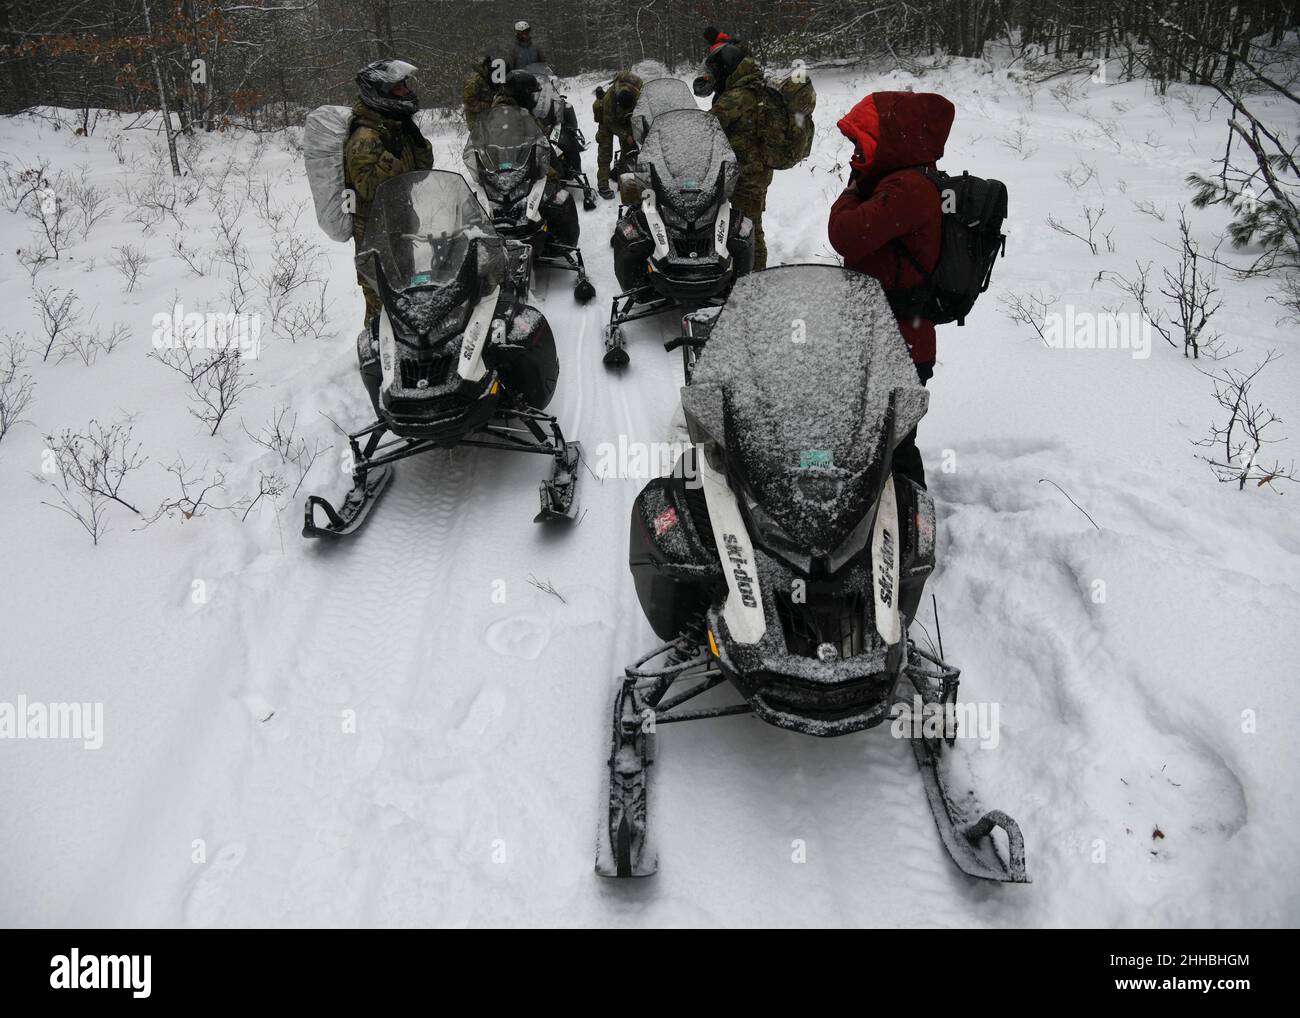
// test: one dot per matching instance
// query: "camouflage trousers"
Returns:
(605, 152)
(373, 303)
(750, 198)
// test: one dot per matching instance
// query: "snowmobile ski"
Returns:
(355, 508)
(623, 845)
(970, 842)
(558, 495)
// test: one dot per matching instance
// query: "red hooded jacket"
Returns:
(893, 132)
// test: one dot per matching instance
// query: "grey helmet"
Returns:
(386, 86)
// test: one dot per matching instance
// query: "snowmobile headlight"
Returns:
(854, 543)
(670, 215)
(450, 323)
(773, 537)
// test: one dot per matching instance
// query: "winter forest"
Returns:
(909, 398)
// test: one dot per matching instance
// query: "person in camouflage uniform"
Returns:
(613, 113)
(479, 90)
(736, 80)
(384, 142)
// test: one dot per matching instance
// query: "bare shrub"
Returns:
(198, 262)
(89, 201)
(279, 435)
(1235, 445)
(91, 468)
(196, 495)
(1191, 294)
(1092, 216)
(1028, 309)
(130, 261)
(295, 265)
(217, 382)
(16, 385)
(58, 313)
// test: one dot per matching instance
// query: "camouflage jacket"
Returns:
(477, 95)
(605, 109)
(735, 109)
(380, 147)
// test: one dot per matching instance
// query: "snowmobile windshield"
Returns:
(661, 95)
(689, 163)
(434, 246)
(547, 107)
(506, 152)
(807, 387)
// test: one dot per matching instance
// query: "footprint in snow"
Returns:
(207, 897)
(487, 707)
(521, 636)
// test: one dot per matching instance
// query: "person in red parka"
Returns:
(887, 221)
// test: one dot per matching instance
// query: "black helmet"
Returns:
(522, 87)
(722, 63)
(387, 86)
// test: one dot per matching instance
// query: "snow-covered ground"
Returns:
(403, 730)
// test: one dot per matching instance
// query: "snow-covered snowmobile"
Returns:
(456, 356)
(659, 95)
(509, 158)
(560, 122)
(678, 240)
(785, 557)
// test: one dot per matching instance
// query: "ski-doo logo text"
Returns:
(207, 331)
(744, 582)
(886, 575)
(23, 720)
(102, 972)
(947, 721)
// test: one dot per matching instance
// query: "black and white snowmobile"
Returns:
(560, 122)
(786, 558)
(678, 240)
(456, 356)
(509, 158)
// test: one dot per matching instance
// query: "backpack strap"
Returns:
(901, 249)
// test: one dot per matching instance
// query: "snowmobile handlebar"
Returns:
(680, 341)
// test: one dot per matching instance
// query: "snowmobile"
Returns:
(510, 159)
(560, 122)
(678, 240)
(659, 95)
(456, 356)
(785, 558)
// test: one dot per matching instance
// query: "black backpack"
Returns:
(970, 240)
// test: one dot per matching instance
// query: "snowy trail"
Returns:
(403, 730)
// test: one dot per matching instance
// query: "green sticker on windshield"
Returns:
(421, 278)
(816, 458)
(505, 166)
(690, 185)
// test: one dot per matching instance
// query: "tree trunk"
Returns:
(162, 91)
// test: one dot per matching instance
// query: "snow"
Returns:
(404, 730)
(808, 358)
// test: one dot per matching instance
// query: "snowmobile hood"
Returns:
(807, 386)
(689, 152)
(894, 130)
(429, 250)
(506, 150)
(658, 96)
